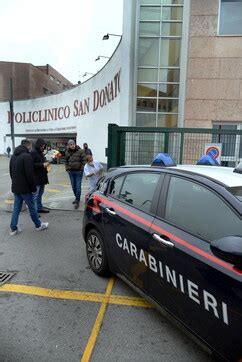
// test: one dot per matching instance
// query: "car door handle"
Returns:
(167, 243)
(110, 211)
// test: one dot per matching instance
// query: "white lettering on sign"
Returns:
(192, 290)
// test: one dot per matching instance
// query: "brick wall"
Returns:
(29, 81)
(214, 78)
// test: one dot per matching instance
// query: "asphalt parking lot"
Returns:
(56, 309)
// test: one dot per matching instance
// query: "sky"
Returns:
(67, 34)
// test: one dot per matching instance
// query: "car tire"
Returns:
(96, 253)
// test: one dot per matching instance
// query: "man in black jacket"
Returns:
(40, 173)
(75, 159)
(21, 171)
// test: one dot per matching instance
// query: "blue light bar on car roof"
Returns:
(238, 169)
(163, 159)
(207, 160)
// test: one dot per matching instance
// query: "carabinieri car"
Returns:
(175, 235)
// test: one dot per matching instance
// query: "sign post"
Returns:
(11, 113)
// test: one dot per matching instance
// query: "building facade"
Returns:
(30, 81)
(188, 63)
(178, 64)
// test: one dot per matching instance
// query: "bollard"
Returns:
(9, 202)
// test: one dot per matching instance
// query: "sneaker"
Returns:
(15, 232)
(73, 202)
(43, 226)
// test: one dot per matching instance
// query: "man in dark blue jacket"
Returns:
(21, 170)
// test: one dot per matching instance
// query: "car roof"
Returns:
(224, 175)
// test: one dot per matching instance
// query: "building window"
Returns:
(230, 22)
(158, 73)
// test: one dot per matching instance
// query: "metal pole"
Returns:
(11, 114)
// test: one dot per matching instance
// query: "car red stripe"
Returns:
(126, 212)
(196, 250)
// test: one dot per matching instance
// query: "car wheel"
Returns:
(96, 253)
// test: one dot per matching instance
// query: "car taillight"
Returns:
(86, 197)
(96, 204)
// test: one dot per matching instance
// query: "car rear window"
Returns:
(138, 189)
(237, 192)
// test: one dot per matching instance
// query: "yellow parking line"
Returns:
(61, 184)
(7, 201)
(52, 190)
(129, 301)
(52, 293)
(74, 295)
(105, 299)
(98, 323)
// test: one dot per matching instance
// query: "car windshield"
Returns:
(237, 192)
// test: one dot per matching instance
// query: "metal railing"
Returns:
(139, 145)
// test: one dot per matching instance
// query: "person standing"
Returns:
(40, 173)
(8, 151)
(75, 160)
(87, 150)
(93, 171)
(21, 169)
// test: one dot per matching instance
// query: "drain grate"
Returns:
(5, 276)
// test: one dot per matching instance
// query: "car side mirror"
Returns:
(228, 249)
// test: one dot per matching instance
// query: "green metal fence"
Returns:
(139, 145)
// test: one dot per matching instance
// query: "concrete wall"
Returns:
(214, 78)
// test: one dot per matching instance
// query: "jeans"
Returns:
(18, 203)
(76, 182)
(38, 197)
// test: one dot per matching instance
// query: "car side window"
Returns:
(199, 210)
(115, 186)
(138, 189)
(102, 184)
